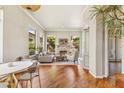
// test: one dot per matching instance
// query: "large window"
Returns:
(32, 42)
(41, 44)
(51, 43)
(76, 42)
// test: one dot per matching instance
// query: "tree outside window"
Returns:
(76, 42)
(51, 43)
(32, 42)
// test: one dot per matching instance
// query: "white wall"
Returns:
(122, 43)
(16, 24)
(100, 49)
(96, 54)
(1, 35)
(92, 39)
(92, 46)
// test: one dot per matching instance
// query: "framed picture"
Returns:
(63, 41)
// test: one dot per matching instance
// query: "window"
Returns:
(76, 42)
(51, 43)
(32, 42)
(41, 44)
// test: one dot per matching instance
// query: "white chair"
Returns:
(31, 73)
(3, 84)
(73, 57)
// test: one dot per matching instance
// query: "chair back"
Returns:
(76, 55)
(19, 58)
(3, 84)
(33, 68)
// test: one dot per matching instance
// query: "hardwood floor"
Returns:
(73, 76)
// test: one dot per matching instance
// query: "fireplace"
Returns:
(63, 53)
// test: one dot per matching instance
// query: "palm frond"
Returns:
(113, 16)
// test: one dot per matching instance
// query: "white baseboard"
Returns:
(122, 72)
(92, 74)
(86, 68)
(95, 76)
(100, 77)
(106, 76)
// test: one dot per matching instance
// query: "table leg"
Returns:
(11, 81)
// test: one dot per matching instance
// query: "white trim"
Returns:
(34, 19)
(95, 76)
(92, 74)
(85, 67)
(100, 77)
(122, 72)
(63, 29)
(105, 76)
(106, 54)
(122, 44)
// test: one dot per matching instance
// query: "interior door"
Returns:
(86, 50)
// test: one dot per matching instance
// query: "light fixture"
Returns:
(32, 8)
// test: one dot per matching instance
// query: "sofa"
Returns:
(45, 58)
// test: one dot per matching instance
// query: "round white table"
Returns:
(12, 67)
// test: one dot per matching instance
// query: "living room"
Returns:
(30, 39)
(64, 45)
(66, 36)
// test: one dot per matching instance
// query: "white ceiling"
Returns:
(60, 16)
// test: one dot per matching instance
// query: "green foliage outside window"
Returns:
(76, 42)
(32, 47)
(51, 43)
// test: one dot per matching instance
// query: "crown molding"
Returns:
(63, 29)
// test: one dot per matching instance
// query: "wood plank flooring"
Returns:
(72, 76)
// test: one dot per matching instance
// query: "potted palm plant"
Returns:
(113, 19)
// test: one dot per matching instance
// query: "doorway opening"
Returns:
(114, 55)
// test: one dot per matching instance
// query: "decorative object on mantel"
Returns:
(32, 8)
